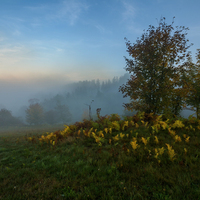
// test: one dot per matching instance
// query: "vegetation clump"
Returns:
(140, 156)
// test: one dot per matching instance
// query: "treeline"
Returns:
(7, 119)
(73, 103)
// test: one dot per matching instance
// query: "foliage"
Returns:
(51, 117)
(63, 113)
(119, 159)
(6, 119)
(156, 67)
(192, 83)
(34, 114)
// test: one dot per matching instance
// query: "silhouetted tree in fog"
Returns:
(35, 114)
(6, 119)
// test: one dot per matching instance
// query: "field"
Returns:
(138, 157)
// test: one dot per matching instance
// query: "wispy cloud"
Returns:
(129, 14)
(129, 10)
(71, 10)
(16, 33)
(67, 10)
(101, 29)
(19, 54)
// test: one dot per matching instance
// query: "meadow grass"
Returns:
(139, 157)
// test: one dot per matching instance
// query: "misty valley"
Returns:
(70, 106)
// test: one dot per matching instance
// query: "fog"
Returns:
(74, 98)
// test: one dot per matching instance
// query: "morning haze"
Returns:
(55, 51)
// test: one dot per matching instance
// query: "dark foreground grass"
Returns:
(80, 169)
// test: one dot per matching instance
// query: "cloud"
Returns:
(14, 56)
(67, 10)
(72, 9)
(129, 10)
(16, 33)
(129, 14)
(102, 29)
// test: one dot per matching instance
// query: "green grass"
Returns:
(80, 168)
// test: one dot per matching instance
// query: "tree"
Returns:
(192, 82)
(64, 114)
(6, 118)
(156, 68)
(51, 117)
(34, 114)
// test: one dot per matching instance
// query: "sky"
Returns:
(48, 43)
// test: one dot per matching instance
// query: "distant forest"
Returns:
(78, 96)
(73, 103)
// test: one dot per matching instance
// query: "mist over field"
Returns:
(76, 97)
(66, 53)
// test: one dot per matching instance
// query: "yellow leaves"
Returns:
(163, 124)
(156, 139)
(191, 128)
(134, 139)
(100, 133)
(125, 125)
(66, 130)
(155, 127)
(134, 143)
(89, 132)
(121, 135)
(177, 138)
(144, 141)
(171, 152)
(185, 150)
(116, 138)
(144, 123)
(156, 152)
(178, 124)
(116, 125)
(106, 130)
(159, 151)
(136, 125)
(187, 139)
(171, 132)
(97, 139)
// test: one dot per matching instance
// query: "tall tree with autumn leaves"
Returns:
(156, 68)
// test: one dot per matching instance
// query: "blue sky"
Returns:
(49, 42)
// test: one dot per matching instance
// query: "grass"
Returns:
(83, 163)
